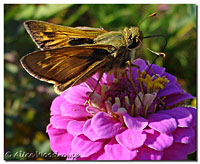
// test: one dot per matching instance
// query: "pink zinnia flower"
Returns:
(118, 124)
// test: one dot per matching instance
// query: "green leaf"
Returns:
(25, 12)
(46, 11)
(81, 10)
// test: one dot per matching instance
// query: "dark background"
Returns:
(27, 100)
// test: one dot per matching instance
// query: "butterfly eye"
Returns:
(130, 37)
(134, 43)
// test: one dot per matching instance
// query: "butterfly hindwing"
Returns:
(66, 66)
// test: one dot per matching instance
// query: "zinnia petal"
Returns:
(193, 143)
(75, 127)
(104, 125)
(105, 156)
(131, 139)
(170, 77)
(76, 94)
(176, 98)
(158, 141)
(183, 135)
(55, 106)
(91, 83)
(162, 123)
(156, 69)
(169, 89)
(135, 123)
(117, 152)
(193, 111)
(146, 153)
(139, 62)
(73, 110)
(181, 114)
(60, 140)
(85, 147)
(60, 122)
(177, 151)
(89, 132)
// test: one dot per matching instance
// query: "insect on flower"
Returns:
(69, 56)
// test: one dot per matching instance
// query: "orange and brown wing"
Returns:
(50, 36)
(66, 66)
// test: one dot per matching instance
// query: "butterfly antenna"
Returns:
(151, 15)
(156, 36)
(158, 54)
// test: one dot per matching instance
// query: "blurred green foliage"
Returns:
(27, 100)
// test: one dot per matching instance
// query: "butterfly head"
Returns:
(133, 37)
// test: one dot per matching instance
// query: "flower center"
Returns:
(122, 93)
(120, 89)
(119, 96)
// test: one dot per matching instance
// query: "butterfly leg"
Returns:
(150, 69)
(101, 75)
(131, 79)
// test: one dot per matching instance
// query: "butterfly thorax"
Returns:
(111, 38)
(125, 42)
(129, 38)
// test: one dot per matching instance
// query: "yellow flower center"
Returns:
(151, 84)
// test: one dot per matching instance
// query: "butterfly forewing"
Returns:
(50, 36)
(66, 66)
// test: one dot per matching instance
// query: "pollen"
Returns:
(152, 85)
(89, 102)
(73, 109)
(129, 137)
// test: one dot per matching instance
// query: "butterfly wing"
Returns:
(50, 36)
(67, 66)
